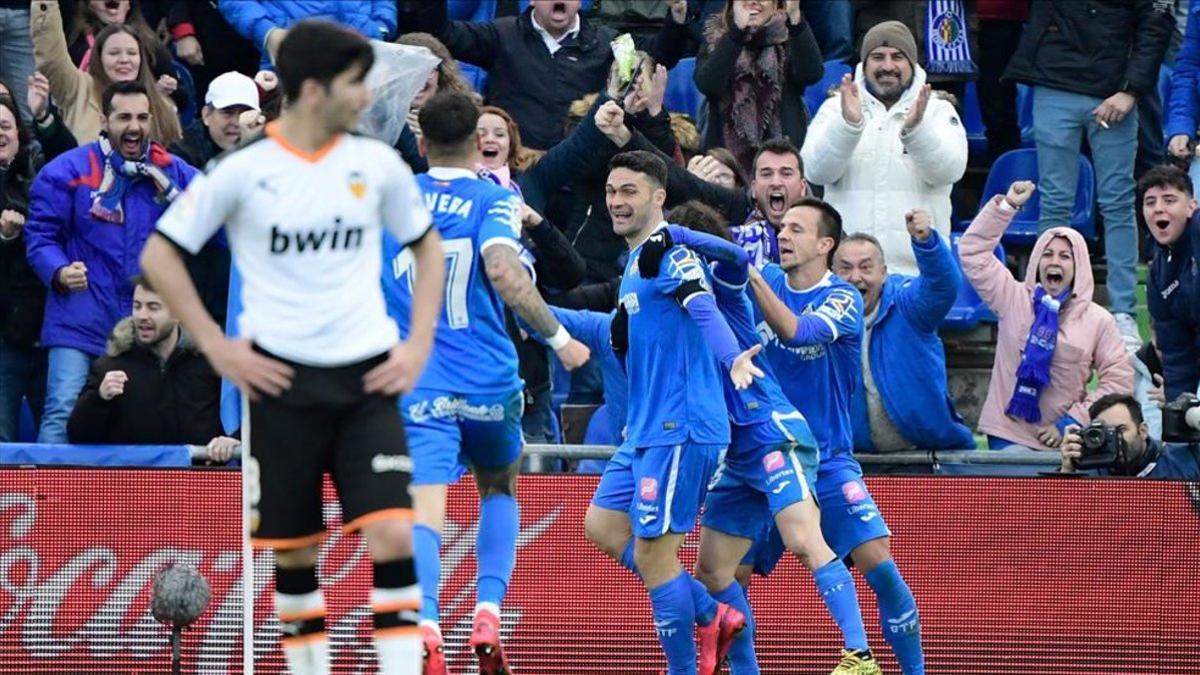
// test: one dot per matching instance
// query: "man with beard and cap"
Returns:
(1052, 337)
(153, 387)
(904, 365)
(90, 212)
(884, 144)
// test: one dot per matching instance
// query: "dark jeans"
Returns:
(1151, 148)
(998, 100)
(22, 378)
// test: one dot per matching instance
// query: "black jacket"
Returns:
(715, 69)
(210, 267)
(1173, 298)
(197, 146)
(1092, 47)
(22, 294)
(169, 403)
(533, 86)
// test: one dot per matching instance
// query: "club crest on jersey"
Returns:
(773, 462)
(630, 302)
(649, 489)
(358, 184)
(853, 492)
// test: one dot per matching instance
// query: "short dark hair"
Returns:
(829, 224)
(315, 49)
(777, 146)
(868, 238)
(127, 88)
(141, 280)
(698, 216)
(642, 162)
(448, 121)
(1109, 400)
(1166, 176)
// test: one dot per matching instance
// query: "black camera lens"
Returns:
(1093, 438)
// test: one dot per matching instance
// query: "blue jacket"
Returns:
(907, 360)
(376, 19)
(60, 230)
(1173, 297)
(1181, 113)
(1164, 461)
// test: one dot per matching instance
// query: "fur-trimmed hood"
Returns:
(121, 339)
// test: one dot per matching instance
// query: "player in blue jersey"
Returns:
(771, 465)
(813, 321)
(680, 348)
(466, 408)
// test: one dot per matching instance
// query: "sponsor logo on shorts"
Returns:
(382, 463)
(454, 409)
(649, 489)
(869, 516)
(853, 492)
(779, 488)
(647, 519)
(663, 627)
(773, 461)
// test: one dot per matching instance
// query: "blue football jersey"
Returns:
(673, 375)
(819, 379)
(761, 414)
(472, 351)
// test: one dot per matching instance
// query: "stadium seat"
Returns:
(816, 94)
(969, 309)
(1021, 164)
(472, 10)
(26, 432)
(1025, 114)
(682, 95)
(474, 75)
(977, 142)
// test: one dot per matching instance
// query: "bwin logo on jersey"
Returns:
(334, 239)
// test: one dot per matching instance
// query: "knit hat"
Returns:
(892, 34)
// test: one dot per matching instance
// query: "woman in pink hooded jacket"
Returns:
(1052, 337)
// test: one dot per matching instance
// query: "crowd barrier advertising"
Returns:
(1029, 576)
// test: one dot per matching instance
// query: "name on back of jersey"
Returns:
(446, 203)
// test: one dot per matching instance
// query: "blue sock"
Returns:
(898, 616)
(496, 546)
(427, 555)
(627, 559)
(742, 659)
(705, 604)
(837, 590)
(674, 618)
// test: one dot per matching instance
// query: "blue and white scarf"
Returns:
(947, 47)
(1034, 372)
(108, 199)
(757, 237)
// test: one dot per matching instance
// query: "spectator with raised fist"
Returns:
(1052, 337)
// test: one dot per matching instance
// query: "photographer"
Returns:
(1137, 454)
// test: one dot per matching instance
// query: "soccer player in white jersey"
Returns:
(304, 207)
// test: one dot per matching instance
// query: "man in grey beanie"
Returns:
(883, 145)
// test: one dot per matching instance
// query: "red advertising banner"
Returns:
(1012, 576)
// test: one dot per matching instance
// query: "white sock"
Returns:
(305, 654)
(399, 647)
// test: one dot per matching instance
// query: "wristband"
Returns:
(560, 338)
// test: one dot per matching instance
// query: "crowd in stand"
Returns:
(109, 108)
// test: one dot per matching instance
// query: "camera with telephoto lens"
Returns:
(1102, 447)
(1181, 420)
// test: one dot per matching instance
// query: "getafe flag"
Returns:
(947, 49)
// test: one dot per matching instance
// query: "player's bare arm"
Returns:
(236, 360)
(777, 314)
(399, 373)
(512, 282)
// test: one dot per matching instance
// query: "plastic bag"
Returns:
(399, 73)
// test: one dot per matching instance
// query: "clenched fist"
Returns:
(113, 384)
(1019, 193)
(919, 224)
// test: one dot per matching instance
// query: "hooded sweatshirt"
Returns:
(1088, 339)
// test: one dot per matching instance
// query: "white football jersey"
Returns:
(305, 233)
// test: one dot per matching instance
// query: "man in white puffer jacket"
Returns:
(883, 146)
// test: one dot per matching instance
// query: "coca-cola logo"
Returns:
(69, 598)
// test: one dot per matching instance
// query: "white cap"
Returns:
(230, 89)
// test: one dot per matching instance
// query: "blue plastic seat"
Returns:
(474, 75)
(186, 83)
(977, 142)
(816, 94)
(682, 96)
(1021, 164)
(969, 309)
(1025, 114)
(472, 10)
